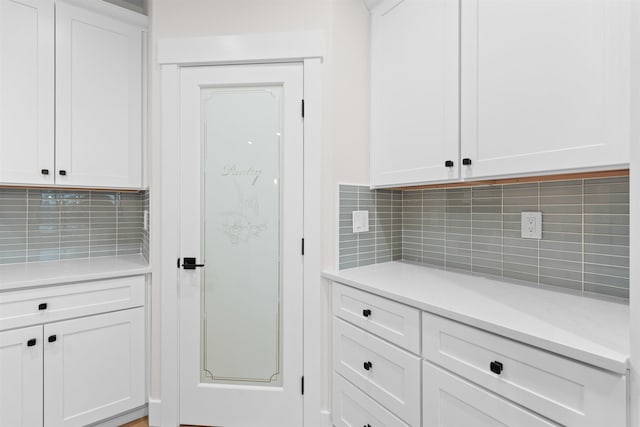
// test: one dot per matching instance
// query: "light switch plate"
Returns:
(531, 225)
(360, 221)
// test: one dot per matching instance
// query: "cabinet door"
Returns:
(414, 92)
(453, 402)
(98, 99)
(94, 367)
(545, 86)
(21, 377)
(26, 92)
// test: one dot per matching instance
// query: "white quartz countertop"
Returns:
(21, 276)
(587, 329)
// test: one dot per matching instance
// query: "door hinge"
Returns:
(303, 108)
(303, 246)
(302, 385)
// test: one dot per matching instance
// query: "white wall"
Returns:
(345, 24)
(634, 209)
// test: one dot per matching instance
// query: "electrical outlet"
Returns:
(531, 225)
(360, 221)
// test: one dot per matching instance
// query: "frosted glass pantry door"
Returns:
(242, 132)
(241, 219)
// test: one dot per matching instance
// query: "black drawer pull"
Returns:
(367, 366)
(42, 306)
(496, 367)
(366, 312)
(466, 162)
(31, 342)
(62, 172)
(44, 171)
(448, 164)
(52, 338)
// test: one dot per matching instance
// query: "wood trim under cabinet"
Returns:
(556, 177)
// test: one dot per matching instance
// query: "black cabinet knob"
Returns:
(62, 172)
(366, 312)
(45, 171)
(367, 366)
(52, 338)
(31, 342)
(42, 306)
(448, 163)
(466, 162)
(496, 367)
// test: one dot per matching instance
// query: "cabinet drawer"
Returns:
(450, 401)
(385, 372)
(34, 306)
(351, 407)
(566, 391)
(390, 320)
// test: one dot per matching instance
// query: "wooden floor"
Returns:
(144, 422)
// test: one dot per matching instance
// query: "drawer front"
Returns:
(451, 401)
(564, 390)
(351, 407)
(385, 372)
(390, 320)
(23, 308)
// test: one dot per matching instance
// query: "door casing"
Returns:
(173, 55)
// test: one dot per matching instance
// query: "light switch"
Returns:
(360, 221)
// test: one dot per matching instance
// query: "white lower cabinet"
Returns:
(465, 377)
(385, 372)
(86, 366)
(450, 401)
(351, 407)
(21, 377)
(93, 367)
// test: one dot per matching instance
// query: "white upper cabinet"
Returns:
(90, 135)
(545, 86)
(414, 91)
(26, 92)
(98, 97)
(501, 88)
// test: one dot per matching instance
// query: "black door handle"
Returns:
(366, 312)
(367, 366)
(466, 162)
(31, 342)
(190, 264)
(496, 367)
(42, 306)
(45, 171)
(52, 338)
(62, 172)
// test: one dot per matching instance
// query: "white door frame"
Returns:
(173, 54)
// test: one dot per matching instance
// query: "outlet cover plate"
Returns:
(360, 221)
(531, 225)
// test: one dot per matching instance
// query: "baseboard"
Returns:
(155, 413)
(325, 419)
(124, 418)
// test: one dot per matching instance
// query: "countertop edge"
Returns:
(62, 273)
(619, 364)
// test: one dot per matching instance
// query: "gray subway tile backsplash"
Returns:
(47, 225)
(585, 244)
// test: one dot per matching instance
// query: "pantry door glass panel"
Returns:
(242, 128)
(241, 204)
